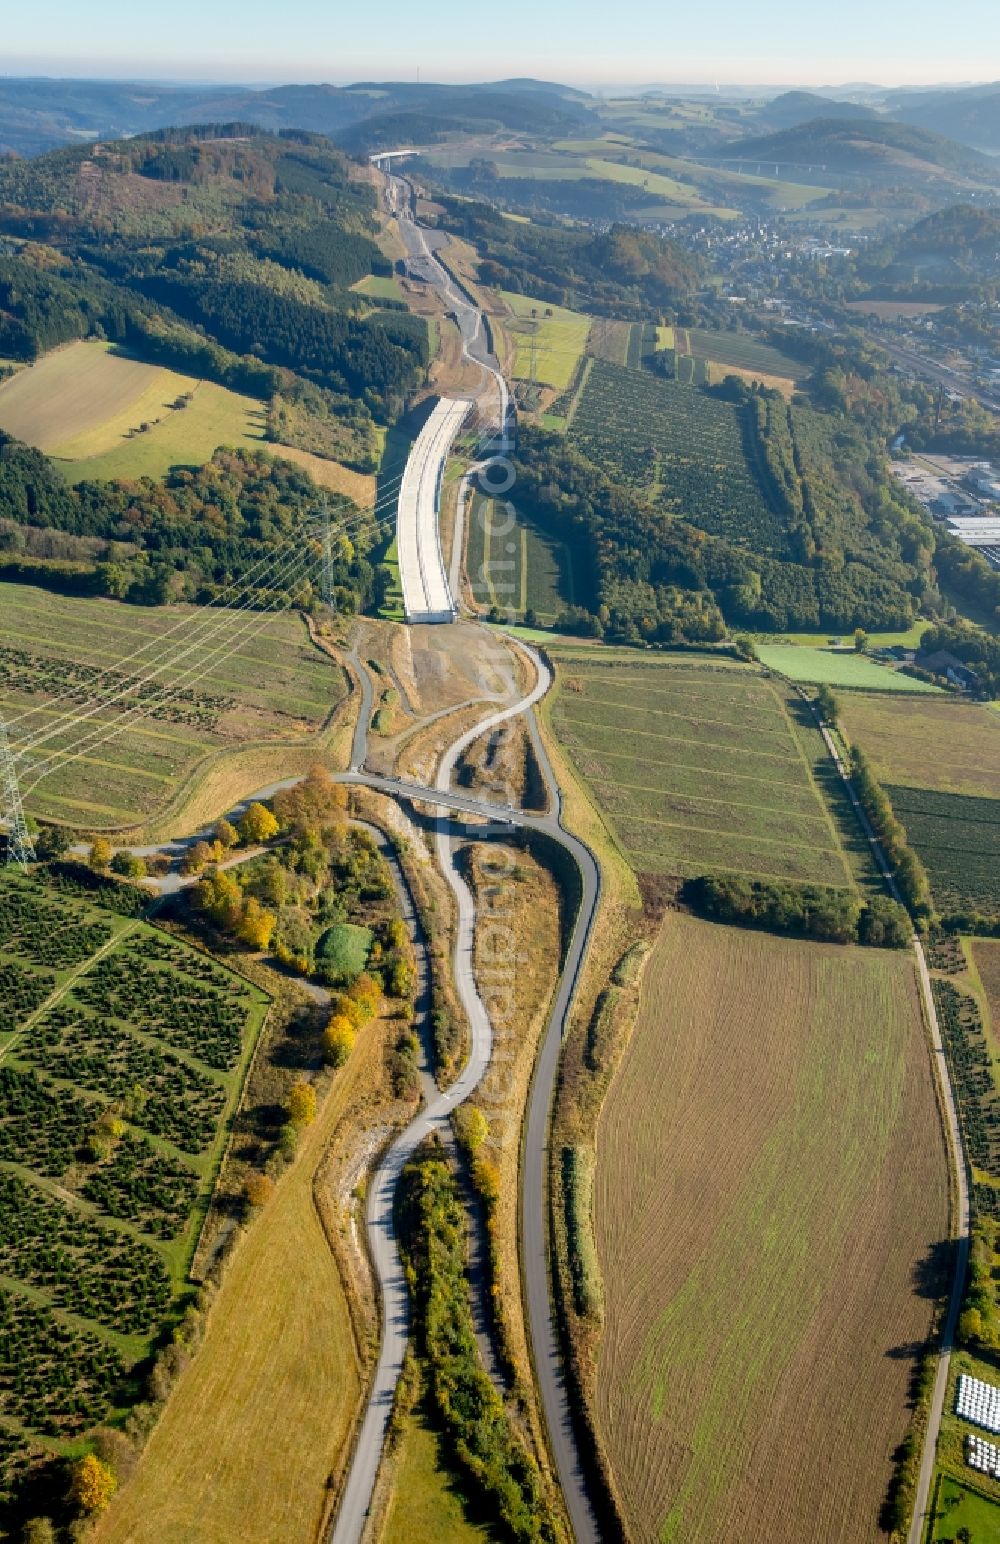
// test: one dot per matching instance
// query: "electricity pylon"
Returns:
(20, 848)
(326, 581)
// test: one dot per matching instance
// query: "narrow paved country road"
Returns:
(434, 1117)
(956, 1150)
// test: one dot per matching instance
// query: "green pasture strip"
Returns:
(837, 668)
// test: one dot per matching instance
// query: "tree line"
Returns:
(819, 912)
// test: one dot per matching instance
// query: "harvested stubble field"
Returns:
(771, 1182)
(697, 767)
(936, 743)
(274, 686)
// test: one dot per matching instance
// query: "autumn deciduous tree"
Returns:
(221, 897)
(487, 1179)
(258, 1189)
(128, 865)
(365, 993)
(970, 1327)
(92, 1484)
(226, 834)
(312, 805)
(258, 825)
(100, 855)
(401, 979)
(302, 1104)
(338, 1039)
(199, 856)
(471, 1127)
(39, 1530)
(256, 925)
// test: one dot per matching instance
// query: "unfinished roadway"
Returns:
(427, 595)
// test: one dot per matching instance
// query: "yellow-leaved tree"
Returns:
(100, 855)
(338, 1039)
(258, 825)
(302, 1104)
(92, 1484)
(256, 925)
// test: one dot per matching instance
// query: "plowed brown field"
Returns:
(771, 1179)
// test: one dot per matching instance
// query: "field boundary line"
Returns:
(824, 804)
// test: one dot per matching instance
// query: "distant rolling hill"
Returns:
(795, 107)
(969, 114)
(875, 148)
(40, 115)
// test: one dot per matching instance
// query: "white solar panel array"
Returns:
(978, 1402)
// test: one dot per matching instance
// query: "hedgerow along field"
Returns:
(684, 448)
(512, 564)
(771, 1179)
(85, 406)
(698, 766)
(274, 687)
(118, 1079)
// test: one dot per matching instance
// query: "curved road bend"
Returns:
(354, 1507)
(953, 1131)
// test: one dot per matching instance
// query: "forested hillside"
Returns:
(183, 539)
(694, 510)
(221, 251)
(623, 271)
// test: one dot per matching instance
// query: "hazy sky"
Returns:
(589, 41)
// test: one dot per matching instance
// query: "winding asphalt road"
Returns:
(434, 1117)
